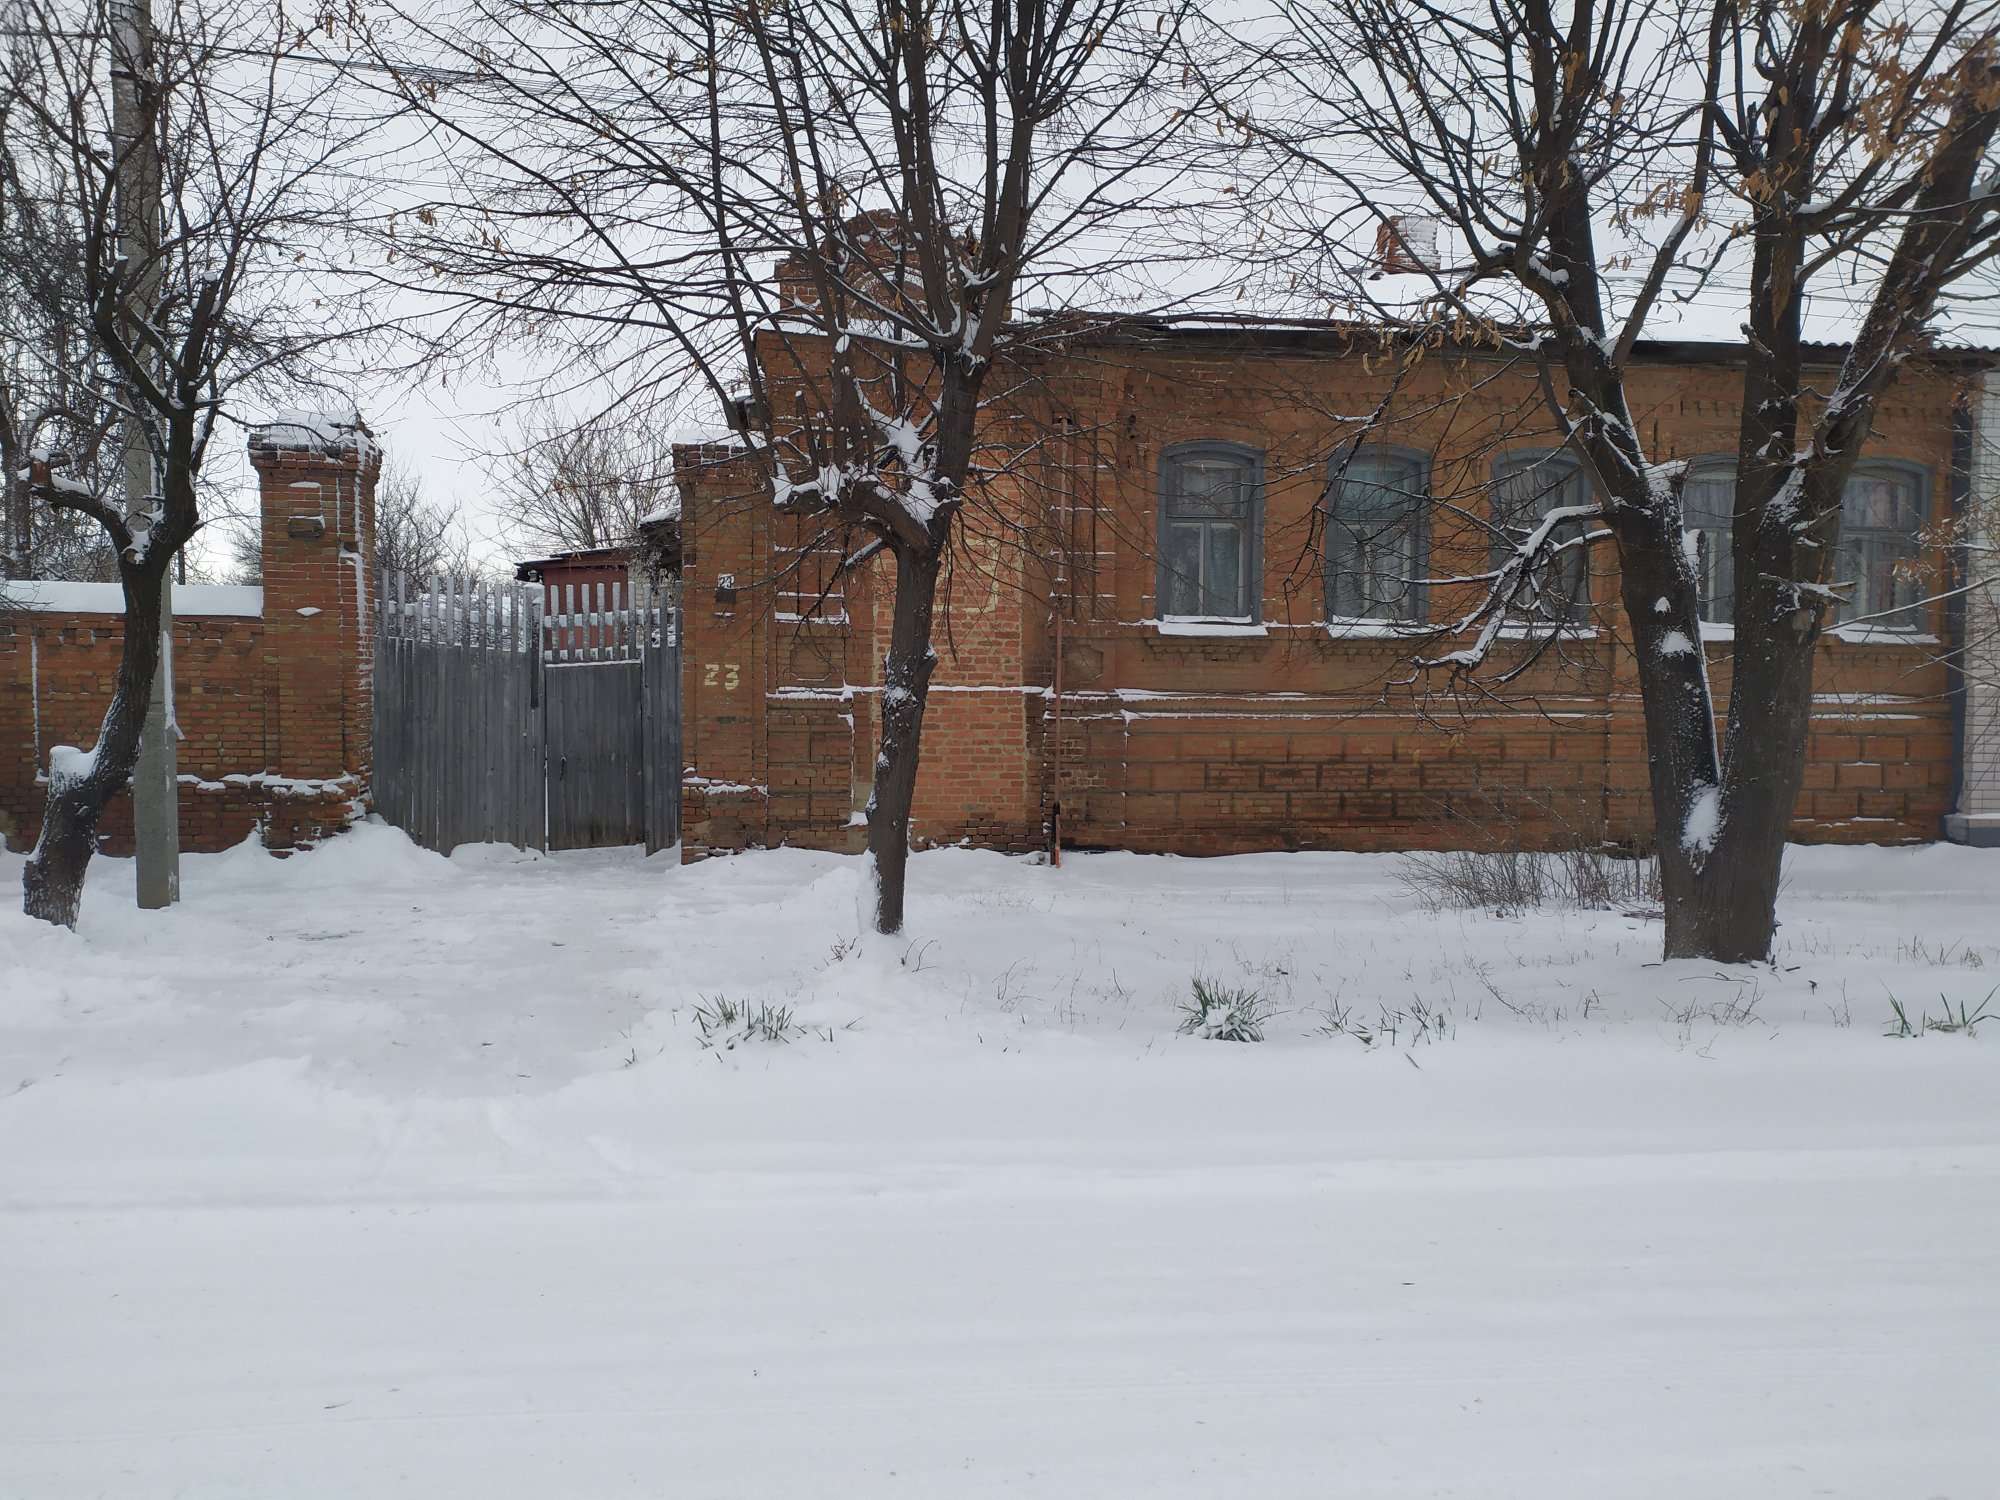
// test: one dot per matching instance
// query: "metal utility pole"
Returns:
(134, 122)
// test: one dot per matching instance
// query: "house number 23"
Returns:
(725, 671)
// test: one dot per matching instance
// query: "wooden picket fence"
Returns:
(498, 720)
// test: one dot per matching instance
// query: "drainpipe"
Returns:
(1055, 758)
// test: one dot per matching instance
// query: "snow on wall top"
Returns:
(295, 429)
(47, 596)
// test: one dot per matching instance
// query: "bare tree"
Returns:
(1827, 143)
(51, 382)
(415, 535)
(179, 233)
(583, 485)
(38, 418)
(915, 167)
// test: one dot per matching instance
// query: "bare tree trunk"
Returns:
(14, 562)
(1776, 545)
(1662, 605)
(1764, 747)
(1735, 918)
(52, 880)
(906, 682)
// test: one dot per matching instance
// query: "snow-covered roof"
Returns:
(668, 510)
(530, 570)
(339, 430)
(49, 596)
(1251, 327)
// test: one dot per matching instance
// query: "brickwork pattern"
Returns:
(275, 713)
(1292, 739)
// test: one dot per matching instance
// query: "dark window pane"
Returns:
(1373, 569)
(1527, 489)
(1708, 509)
(1381, 486)
(1374, 523)
(1223, 576)
(1881, 519)
(1180, 588)
(1218, 487)
(1207, 527)
(1708, 499)
(1715, 575)
(1566, 592)
(1530, 487)
(1881, 501)
(1348, 592)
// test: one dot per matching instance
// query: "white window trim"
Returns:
(1196, 625)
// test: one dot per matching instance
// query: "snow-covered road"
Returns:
(328, 1185)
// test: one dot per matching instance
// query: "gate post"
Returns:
(726, 619)
(316, 474)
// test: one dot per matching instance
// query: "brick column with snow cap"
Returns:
(316, 474)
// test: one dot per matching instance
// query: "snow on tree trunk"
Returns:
(81, 783)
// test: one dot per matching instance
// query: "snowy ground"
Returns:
(369, 1173)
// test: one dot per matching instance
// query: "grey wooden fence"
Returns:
(498, 720)
(660, 739)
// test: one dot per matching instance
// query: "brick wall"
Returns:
(274, 707)
(1298, 737)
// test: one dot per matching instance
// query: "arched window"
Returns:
(1882, 514)
(1211, 529)
(1708, 511)
(1377, 526)
(1527, 486)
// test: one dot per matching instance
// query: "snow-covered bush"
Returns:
(1219, 1013)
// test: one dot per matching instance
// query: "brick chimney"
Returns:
(1406, 242)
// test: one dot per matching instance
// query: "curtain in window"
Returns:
(1207, 526)
(1881, 516)
(1375, 527)
(1526, 488)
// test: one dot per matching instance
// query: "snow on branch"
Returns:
(1488, 619)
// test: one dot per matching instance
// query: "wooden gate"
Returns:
(497, 721)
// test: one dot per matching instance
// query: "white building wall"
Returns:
(1977, 817)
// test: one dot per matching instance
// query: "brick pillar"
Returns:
(727, 597)
(316, 476)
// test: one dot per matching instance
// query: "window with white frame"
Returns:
(1377, 527)
(1211, 523)
(1527, 486)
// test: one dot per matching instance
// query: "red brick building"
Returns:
(272, 682)
(1185, 615)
